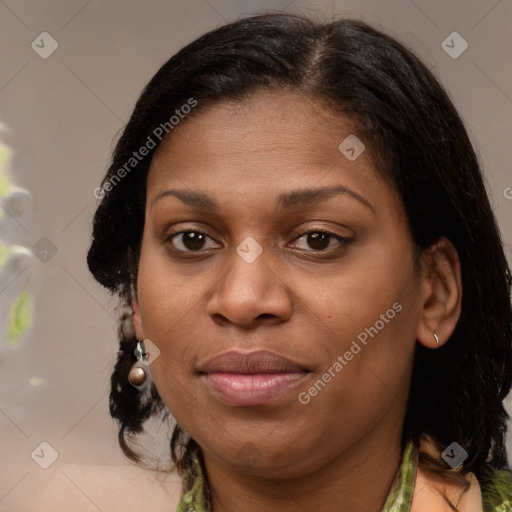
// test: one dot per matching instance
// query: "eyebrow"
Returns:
(287, 200)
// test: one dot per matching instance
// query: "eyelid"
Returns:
(191, 228)
(321, 230)
(291, 233)
(343, 241)
(296, 232)
(168, 239)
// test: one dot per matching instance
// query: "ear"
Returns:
(441, 303)
(137, 323)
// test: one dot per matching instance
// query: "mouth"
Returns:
(251, 378)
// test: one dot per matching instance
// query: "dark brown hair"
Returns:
(419, 144)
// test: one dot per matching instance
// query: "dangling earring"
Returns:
(437, 338)
(138, 374)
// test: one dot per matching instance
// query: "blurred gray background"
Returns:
(61, 114)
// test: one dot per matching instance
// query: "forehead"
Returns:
(269, 141)
(277, 121)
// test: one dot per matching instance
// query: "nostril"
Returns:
(266, 315)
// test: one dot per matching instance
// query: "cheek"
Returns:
(164, 296)
(370, 298)
(372, 314)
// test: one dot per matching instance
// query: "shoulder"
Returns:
(494, 494)
(429, 491)
(83, 488)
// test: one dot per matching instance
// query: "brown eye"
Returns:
(188, 241)
(320, 240)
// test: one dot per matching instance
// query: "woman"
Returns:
(316, 288)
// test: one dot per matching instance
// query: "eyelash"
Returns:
(344, 242)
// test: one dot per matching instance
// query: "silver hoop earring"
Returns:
(437, 338)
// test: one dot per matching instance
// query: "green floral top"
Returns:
(496, 497)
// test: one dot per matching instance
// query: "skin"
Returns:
(297, 299)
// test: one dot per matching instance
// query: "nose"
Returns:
(250, 291)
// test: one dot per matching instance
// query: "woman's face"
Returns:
(256, 177)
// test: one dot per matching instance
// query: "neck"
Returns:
(357, 480)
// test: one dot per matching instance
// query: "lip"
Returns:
(251, 378)
(257, 361)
